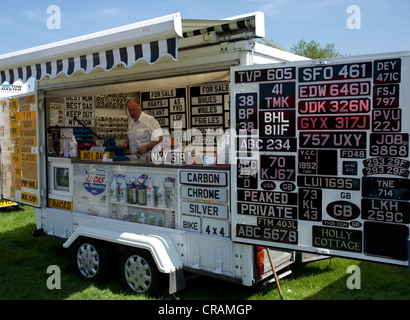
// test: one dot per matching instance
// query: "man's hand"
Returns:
(143, 149)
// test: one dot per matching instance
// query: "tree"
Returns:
(313, 50)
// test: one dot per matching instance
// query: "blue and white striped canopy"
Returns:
(127, 56)
(147, 40)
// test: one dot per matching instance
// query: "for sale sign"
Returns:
(321, 155)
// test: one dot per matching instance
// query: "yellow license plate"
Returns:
(7, 203)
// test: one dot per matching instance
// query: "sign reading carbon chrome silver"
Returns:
(204, 193)
(205, 209)
(321, 156)
(213, 178)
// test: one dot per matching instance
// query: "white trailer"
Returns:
(165, 60)
(211, 88)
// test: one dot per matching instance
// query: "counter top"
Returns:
(61, 159)
(136, 163)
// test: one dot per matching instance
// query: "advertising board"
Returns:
(321, 154)
(20, 149)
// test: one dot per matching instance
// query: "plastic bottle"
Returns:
(171, 198)
(142, 194)
(134, 217)
(142, 217)
(161, 220)
(66, 147)
(73, 147)
(162, 196)
(132, 196)
(170, 218)
(123, 192)
(114, 190)
(156, 196)
(150, 194)
(135, 194)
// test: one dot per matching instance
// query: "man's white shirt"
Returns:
(142, 131)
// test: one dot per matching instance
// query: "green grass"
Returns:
(24, 261)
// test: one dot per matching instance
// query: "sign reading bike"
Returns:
(321, 152)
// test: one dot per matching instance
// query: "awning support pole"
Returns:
(274, 274)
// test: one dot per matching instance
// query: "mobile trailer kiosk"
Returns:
(181, 70)
(318, 152)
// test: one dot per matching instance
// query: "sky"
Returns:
(370, 26)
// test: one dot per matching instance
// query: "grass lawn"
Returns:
(24, 261)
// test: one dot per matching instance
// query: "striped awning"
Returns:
(108, 59)
(229, 26)
(147, 40)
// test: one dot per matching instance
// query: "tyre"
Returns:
(90, 259)
(139, 272)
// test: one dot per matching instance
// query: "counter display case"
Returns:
(143, 195)
(190, 198)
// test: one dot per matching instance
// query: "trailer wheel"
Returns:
(139, 272)
(91, 259)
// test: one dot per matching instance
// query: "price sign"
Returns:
(209, 105)
(80, 108)
(169, 108)
(322, 157)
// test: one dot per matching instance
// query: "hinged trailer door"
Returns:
(20, 149)
(321, 156)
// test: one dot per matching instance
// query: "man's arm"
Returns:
(148, 147)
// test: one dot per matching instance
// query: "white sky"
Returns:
(384, 25)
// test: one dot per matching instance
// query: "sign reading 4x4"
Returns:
(336, 134)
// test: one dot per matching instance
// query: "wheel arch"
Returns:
(161, 247)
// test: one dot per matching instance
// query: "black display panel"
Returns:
(328, 142)
(386, 240)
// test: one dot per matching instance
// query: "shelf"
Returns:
(141, 206)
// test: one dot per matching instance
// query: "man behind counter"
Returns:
(144, 131)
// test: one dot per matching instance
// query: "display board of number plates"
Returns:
(321, 155)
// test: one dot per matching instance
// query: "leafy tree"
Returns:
(313, 50)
